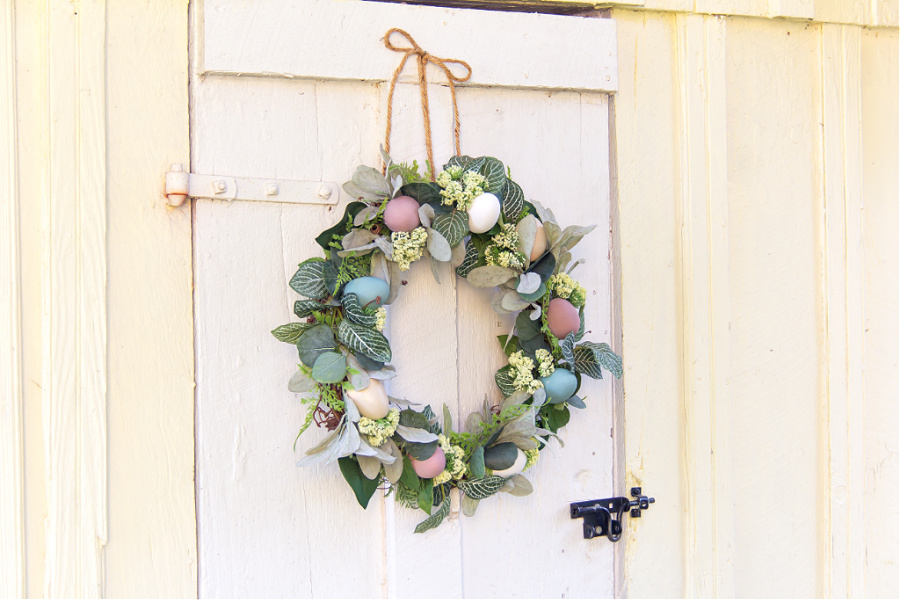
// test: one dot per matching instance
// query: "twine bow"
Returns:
(423, 58)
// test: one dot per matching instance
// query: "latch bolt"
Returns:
(604, 517)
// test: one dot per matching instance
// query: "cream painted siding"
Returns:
(754, 152)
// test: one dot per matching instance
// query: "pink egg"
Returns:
(562, 318)
(430, 467)
(402, 214)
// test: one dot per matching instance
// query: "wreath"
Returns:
(475, 217)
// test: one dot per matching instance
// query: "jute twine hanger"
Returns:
(423, 58)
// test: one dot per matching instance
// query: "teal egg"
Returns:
(535, 295)
(560, 386)
(370, 291)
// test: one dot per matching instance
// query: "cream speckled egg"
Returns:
(562, 318)
(540, 244)
(430, 467)
(483, 213)
(402, 214)
(372, 401)
(516, 468)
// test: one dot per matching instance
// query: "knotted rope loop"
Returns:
(423, 58)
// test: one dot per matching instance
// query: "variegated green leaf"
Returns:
(469, 261)
(512, 201)
(309, 280)
(436, 518)
(291, 332)
(453, 226)
(304, 308)
(585, 362)
(495, 173)
(467, 163)
(611, 361)
(356, 313)
(505, 378)
(566, 345)
(479, 489)
(365, 340)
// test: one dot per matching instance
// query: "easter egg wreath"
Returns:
(475, 217)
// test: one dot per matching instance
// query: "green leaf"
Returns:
(500, 456)
(479, 489)
(469, 261)
(526, 328)
(309, 280)
(411, 418)
(437, 518)
(608, 359)
(409, 477)
(420, 451)
(453, 226)
(495, 173)
(330, 367)
(504, 378)
(510, 345)
(512, 201)
(339, 229)
(580, 333)
(354, 311)
(544, 266)
(555, 416)
(313, 343)
(362, 486)
(300, 383)
(585, 361)
(426, 496)
(367, 363)
(476, 462)
(304, 308)
(489, 276)
(566, 345)
(576, 402)
(291, 332)
(438, 247)
(448, 419)
(467, 163)
(425, 193)
(365, 340)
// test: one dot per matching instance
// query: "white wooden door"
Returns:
(296, 90)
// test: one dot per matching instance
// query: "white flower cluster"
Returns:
(565, 287)
(379, 430)
(545, 362)
(504, 249)
(456, 468)
(532, 457)
(407, 246)
(381, 317)
(460, 188)
(523, 367)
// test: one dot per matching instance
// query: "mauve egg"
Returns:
(402, 214)
(370, 291)
(430, 467)
(540, 244)
(483, 213)
(516, 468)
(372, 400)
(560, 386)
(562, 318)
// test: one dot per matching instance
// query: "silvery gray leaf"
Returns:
(362, 250)
(497, 303)
(357, 193)
(553, 235)
(528, 283)
(527, 230)
(535, 313)
(426, 214)
(512, 301)
(386, 372)
(457, 255)
(489, 276)
(514, 399)
(394, 470)
(437, 246)
(396, 281)
(540, 396)
(366, 213)
(301, 382)
(351, 410)
(359, 380)
(366, 449)
(385, 245)
(397, 184)
(580, 261)
(468, 505)
(357, 238)
(522, 486)
(402, 402)
(412, 434)
(544, 213)
(434, 269)
(369, 465)
(371, 180)
(380, 268)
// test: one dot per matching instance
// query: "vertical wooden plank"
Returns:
(74, 288)
(647, 176)
(773, 139)
(880, 93)
(152, 549)
(844, 306)
(12, 451)
(705, 304)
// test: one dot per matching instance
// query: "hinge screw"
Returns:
(271, 189)
(324, 192)
(219, 186)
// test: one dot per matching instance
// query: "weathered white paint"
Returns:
(74, 291)
(779, 265)
(247, 419)
(538, 51)
(12, 456)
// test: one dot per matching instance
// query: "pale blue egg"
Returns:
(370, 291)
(560, 386)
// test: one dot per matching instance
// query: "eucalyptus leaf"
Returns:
(476, 463)
(489, 276)
(409, 477)
(457, 255)
(544, 266)
(363, 339)
(330, 367)
(418, 436)
(527, 328)
(468, 505)
(301, 382)
(576, 402)
(338, 230)
(313, 343)
(500, 456)
(420, 450)
(528, 283)
(438, 246)
(512, 301)
(522, 486)
(309, 280)
(291, 332)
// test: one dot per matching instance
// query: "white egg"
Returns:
(483, 213)
(516, 468)
(372, 401)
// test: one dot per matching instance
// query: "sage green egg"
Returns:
(370, 291)
(560, 386)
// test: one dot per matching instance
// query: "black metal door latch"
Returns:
(604, 517)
